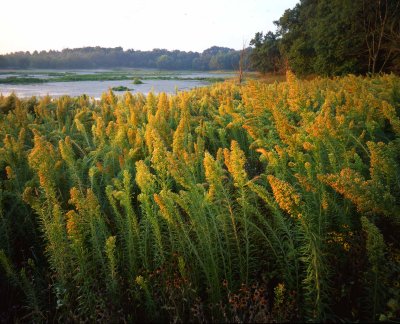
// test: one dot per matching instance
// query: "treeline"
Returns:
(332, 37)
(213, 58)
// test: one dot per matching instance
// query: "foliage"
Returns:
(213, 58)
(121, 88)
(137, 81)
(333, 37)
(266, 56)
(251, 203)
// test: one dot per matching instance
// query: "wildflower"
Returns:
(158, 160)
(308, 146)
(305, 183)
(58, 165)
(263, 151)
(252, 131)
(382, 160)
(366, 195)
(110, 252)
(324, 203)
(140, 281)
(9, 172)
(280, 151)
(165, 213)
(213, 173)
(99, 166)
(144, 179)
(295, 95)
(43, 155)
(121, 161)
(91, 203)
(76, 198)
(43, 179)
(235, 161)
(285, 195)
(79, 125)
(98, 127)
(131, 134)
(66, 150)
(71, 225)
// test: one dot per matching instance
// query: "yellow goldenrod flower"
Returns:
(235, 161)
(163, 208)
(71, 225)
(144, 179)
(9, 172)
(285, 195)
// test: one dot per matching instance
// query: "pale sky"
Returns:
(28, 25)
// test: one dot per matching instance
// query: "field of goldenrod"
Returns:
(252, 203)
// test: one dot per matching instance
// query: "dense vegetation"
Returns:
(253, 203)
(213, 58)
(332, 37)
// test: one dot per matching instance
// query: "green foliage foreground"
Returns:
(249, 203)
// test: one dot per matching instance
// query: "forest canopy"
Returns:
(213, 58)
(332, 37)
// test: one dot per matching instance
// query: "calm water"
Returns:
(96, 88)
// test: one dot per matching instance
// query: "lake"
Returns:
(155, 81)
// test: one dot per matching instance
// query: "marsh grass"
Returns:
(30, 77)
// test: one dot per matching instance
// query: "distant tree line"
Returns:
(332, 37)
(213, 58)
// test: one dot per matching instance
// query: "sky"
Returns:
(28, 25)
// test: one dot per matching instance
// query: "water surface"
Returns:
(96, 88)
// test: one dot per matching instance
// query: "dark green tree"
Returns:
(296, 44)
(266, 56)
(337, 38)
(334, 37)
(164, 62)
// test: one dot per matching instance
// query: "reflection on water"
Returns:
(96, 88)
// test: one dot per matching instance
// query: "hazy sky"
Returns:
(28, 25)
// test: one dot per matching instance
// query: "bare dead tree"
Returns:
(381, 28)
(243, 63)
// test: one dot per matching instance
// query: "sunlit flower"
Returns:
(285, 195)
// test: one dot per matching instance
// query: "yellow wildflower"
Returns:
(308, 146)
(305, 183)
(9, 172)
(235, 161)
(213, 173)
(324, 203)
(163, 208)
(144, 179)
(285, 195)
(252, 131)
(71, 225)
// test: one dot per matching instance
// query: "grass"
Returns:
(21, 80)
